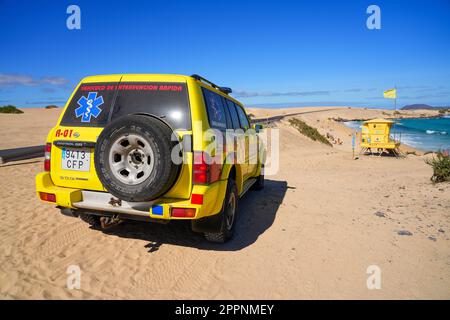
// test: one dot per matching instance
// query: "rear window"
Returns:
(215, 109)
(96, 105)
(166, 100)
(90, 106)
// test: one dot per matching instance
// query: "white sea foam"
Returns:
(411, 140)
(436, 132)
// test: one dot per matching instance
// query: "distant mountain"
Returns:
(422, 107)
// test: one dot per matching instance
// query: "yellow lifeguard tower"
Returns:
(376, 135)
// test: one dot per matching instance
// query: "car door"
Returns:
(239, 144)
(218, 120)
(75, 136)
(250, 154)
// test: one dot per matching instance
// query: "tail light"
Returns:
(50, 197)
(205, 171)
(182, 212)
(48, 150)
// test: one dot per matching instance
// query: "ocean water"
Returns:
(427, 134)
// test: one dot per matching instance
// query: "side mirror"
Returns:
(257, 127)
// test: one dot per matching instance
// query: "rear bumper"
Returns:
(96, 201)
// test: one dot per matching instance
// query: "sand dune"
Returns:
(311, 233)
(27, 129)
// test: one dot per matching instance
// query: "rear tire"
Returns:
(228, 215)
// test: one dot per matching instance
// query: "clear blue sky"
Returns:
(299, 52)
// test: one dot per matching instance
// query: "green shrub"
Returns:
(397, 112)
(308, 131)
(10, 109)
(441, 167)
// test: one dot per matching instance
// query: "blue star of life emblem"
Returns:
(89, 107)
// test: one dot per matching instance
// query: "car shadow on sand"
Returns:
(257, 210)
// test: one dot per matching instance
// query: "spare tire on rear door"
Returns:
(133, 158)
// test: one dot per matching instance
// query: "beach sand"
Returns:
(27, 129)
(320, 222)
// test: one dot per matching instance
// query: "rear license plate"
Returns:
(77, 159)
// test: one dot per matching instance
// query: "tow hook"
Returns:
(115, 202)
(108, 222)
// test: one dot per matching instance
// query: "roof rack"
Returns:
(225, 90)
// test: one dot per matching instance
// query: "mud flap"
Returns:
(208, 224)
(69, 212)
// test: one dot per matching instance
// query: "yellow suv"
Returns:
(152, 147)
